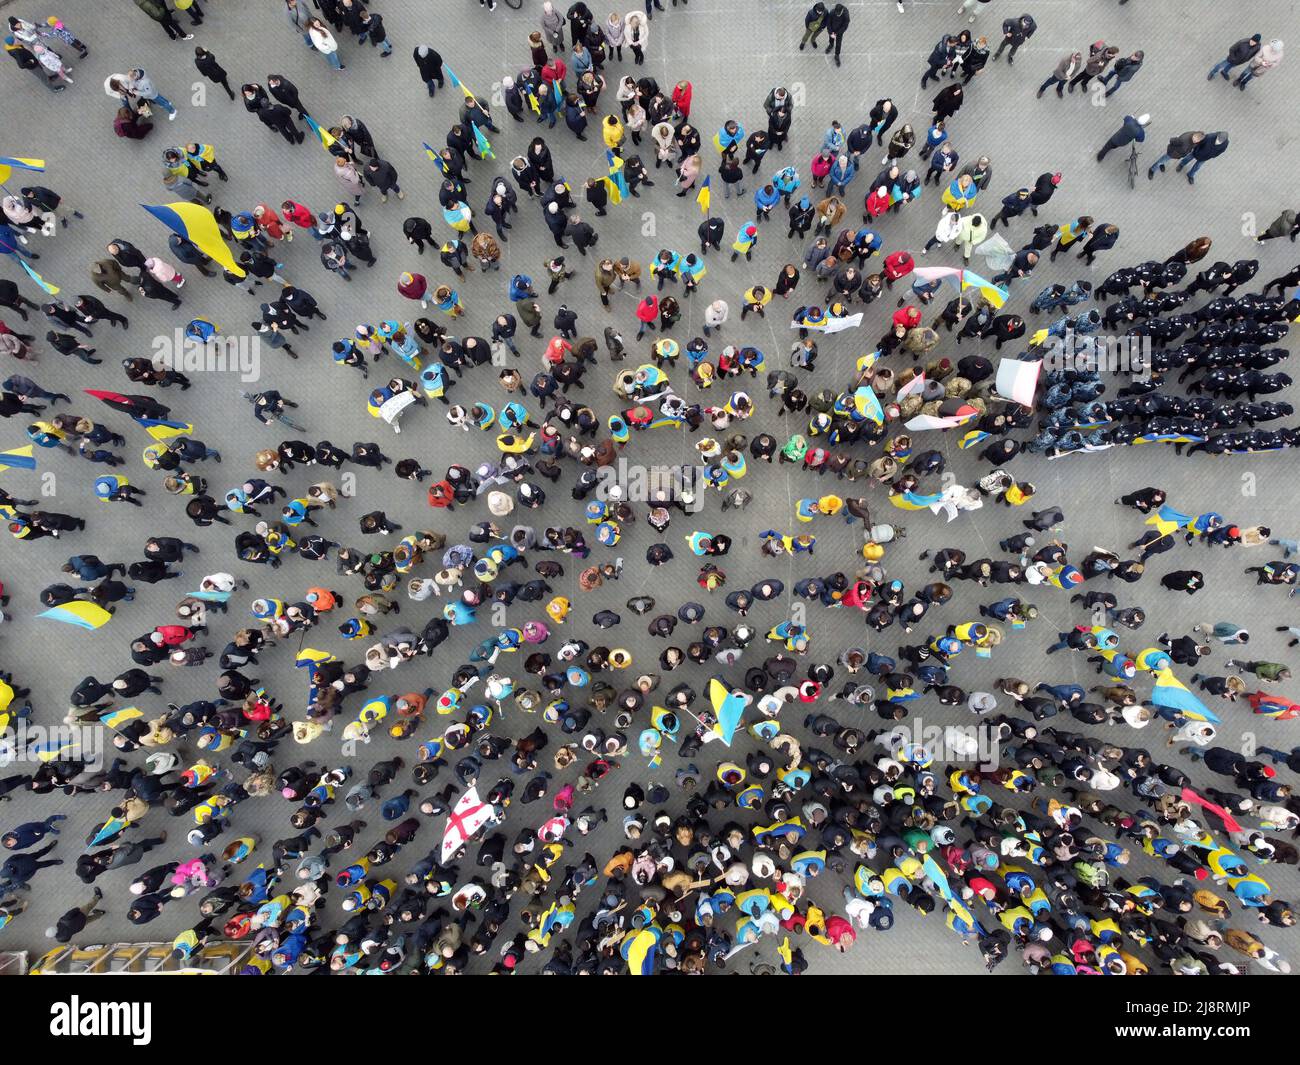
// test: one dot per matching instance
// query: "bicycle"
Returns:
(1133, 166)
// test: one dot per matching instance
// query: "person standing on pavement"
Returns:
(1268, 57)
(1124, 70)
(1131, 131)
(163, 15)
(1242, 52)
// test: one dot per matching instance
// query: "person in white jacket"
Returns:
(323, 41)
(637, 34)
(715, 316)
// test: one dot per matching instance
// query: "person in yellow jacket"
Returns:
(756, 298)
(613, 133)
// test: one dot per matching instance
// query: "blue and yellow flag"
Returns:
(704, 197)
(456, 82)
(481, 143)
(326, 138)
(19, 458)
(10, 163)
(615, 182)
(196, 224)
(116, 718)
(52, 289)
(1172, 694)
(1167, 520)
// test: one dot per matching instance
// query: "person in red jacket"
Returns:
(908, 317)
(646, 313)
(175, 635)
(414, 287)
(898, 264)
(442, 495)
(299, 215)
(682, 98)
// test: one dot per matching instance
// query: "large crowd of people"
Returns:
(1113, 828)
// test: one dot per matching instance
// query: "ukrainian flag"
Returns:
(196, 224)
(116, 718)
(52, 289)
(10, 163)
(1172, 694)
(19, 458)
(1168, 520)
(704, 197)
(481, 142)
(456, 82)
(162, 429)
(326, 138)
(914, 500)
(640, 950)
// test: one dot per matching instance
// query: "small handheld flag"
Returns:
(704, 197)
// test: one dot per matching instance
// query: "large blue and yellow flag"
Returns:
(19, 458)
(914, 500)
(10, 163)
(991, 292)
(48, 286)
(1172, 694)
(196, 224)
(116, 718)
(163, 429)
(1167, 520)
(728, 706)
(326, 138)
(79, 612)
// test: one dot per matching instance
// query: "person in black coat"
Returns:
(976, 59)
(1042, 192)
(947, 102)
(208, 66)
(277, 117)
(1213, 146)
(127, 255)
(283, 90)
(1102, 239)
(581, 233)
(418, 231)
(1015, 32)
(254, 97)
(837, 24)
(429, 63)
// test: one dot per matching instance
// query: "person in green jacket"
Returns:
(1274, 671)
(163, 15)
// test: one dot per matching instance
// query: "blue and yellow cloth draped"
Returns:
(1168, 520)
(78, 612)
(1172, 694)
(915, 500)
(196, 224)
(615, 183)
(10, 163)
(18, 458)
(46, 286)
